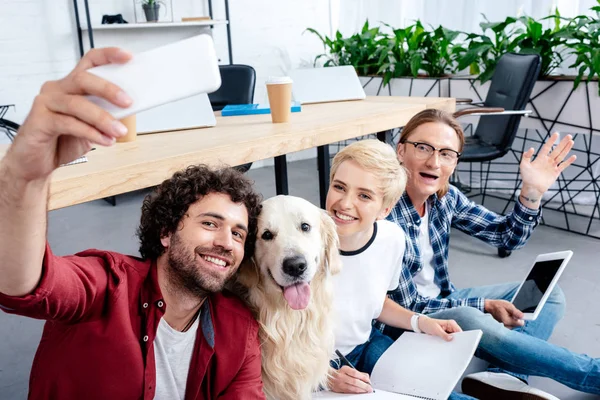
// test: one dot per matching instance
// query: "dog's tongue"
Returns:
(297, 295)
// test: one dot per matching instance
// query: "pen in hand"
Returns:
(345, 361)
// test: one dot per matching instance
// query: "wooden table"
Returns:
(149, 160)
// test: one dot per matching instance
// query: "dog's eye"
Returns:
(305, 227)
(267, 235)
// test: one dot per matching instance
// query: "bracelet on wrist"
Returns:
(530, 199)
(414, 322)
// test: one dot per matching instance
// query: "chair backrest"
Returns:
(237, 86)
(511, 87)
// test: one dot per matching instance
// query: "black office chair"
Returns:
(237, 87)
(501, 113)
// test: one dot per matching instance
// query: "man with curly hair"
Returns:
(123, 327)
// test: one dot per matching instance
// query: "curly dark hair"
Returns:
(164, 208)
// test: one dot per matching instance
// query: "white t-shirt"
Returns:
(424, 280)
(360, 289)
(173, 354)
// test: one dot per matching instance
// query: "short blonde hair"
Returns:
(379, 159)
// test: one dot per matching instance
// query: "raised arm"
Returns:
(539, 174)
(512, 231)
(62, 126)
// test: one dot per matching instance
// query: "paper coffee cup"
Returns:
(279, 90)
(130, 123)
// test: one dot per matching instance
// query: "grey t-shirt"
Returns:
(173, 353)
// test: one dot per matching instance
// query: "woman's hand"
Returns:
(349, 380)
(438, 327)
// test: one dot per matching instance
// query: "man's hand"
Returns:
(538, 175)
(505, 312)
(62, 124)
(439, 327)
(349, 380)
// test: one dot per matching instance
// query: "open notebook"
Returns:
(419, 366)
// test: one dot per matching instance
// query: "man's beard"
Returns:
(185, 274)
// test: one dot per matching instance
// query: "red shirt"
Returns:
(102, 311)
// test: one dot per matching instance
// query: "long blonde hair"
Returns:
(379, 159)
(433, 115)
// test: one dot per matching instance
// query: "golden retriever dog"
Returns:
(288, 286)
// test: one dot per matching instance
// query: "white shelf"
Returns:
(155, 25)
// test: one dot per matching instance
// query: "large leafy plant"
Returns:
(548, 43)
(586, 46)
(403, 52)
(483, 51)
(361, 50)
(438, 56)
(415, 50)
(399, 49)
(523, 35)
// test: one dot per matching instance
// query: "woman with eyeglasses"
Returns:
(430, 147)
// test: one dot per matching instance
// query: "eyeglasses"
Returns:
(424, 150)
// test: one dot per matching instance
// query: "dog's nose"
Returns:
(294, 266)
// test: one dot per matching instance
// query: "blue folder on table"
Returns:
(252, 109)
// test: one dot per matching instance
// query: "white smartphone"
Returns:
(543, 276)
(162, 75)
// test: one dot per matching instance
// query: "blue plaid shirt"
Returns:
(453, 210)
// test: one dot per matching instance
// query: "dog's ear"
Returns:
(248, 275)
(333, 262)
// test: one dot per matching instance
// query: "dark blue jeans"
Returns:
(364, 357)
(525, 351)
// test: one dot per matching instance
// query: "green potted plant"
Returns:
(361, 50)
(151, 9)
(483, 51)
(437, 58)
(522, 35)
(549, 43)
(586, 46)
(415, 52)
(406, 52)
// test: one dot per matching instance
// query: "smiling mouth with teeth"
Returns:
(344, 217)
(215, 260)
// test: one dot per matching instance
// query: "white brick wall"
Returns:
(36, 44)
(38, 40)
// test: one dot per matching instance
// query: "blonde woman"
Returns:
(366, 181)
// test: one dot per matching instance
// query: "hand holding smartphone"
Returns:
(162, 75)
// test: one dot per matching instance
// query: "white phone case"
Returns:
(162, 75)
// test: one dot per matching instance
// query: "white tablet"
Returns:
(535, 289)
